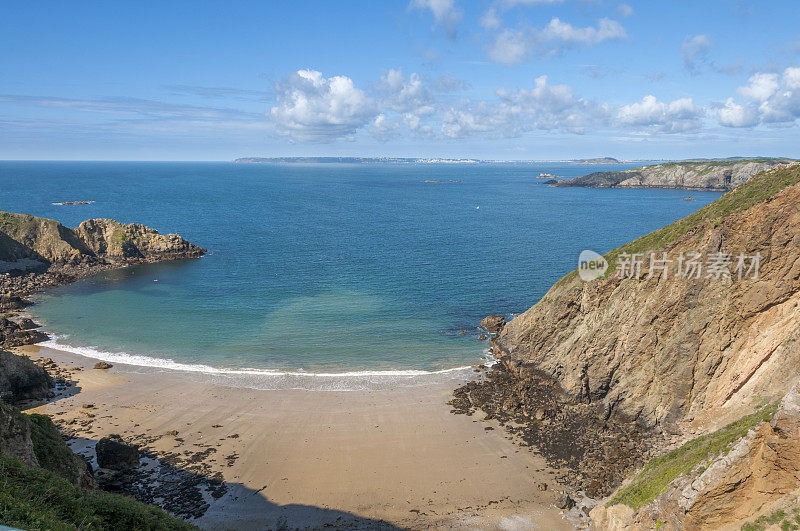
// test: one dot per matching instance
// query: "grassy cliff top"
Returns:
(759, 188)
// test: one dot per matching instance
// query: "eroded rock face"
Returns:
(661, 349)
(95, 241)
(760, 469)
(15, 436)
(21, 379)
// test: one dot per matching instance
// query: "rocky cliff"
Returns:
(720, 175)
(662, 348)
(36, 253)
(28, 243)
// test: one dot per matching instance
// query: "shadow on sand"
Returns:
(212, 503)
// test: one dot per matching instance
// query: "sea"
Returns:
(324, 276)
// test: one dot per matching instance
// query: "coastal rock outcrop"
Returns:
(720, 175)
(39, 243)
(493, 323)
(22, 379)
(661, 348)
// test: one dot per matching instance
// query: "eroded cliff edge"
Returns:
(662, 349)
(603, 376)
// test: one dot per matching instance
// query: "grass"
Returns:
(34, 498)
(661, 471)
(788, 522)
(754, 191)
(51, 451)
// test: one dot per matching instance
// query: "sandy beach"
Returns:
(305, 459)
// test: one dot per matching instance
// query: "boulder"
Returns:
(103, 365)
(21, 379)
(27, 324)
(493, 323)
(115, 454)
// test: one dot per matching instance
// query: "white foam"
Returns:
(274, 378)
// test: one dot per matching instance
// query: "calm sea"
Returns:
(324, 268)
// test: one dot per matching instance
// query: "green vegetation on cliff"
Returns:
(34, 498)
(658, 473)
(758, 189)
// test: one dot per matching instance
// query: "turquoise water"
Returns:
(324, 268)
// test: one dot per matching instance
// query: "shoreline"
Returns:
(367, 458)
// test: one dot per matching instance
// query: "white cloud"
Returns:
(445, 13)
(566, 33)
(624, 10)
(735, 115)
(384, 129)
(791, 77)
(678, 116)
(509, 47)
(695, 52)
(544, 107)
(761, 87)
(774, 100)
(512, 46)
(313, 108)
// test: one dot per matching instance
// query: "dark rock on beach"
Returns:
(102, 365)
(22, 379)
(115, 454)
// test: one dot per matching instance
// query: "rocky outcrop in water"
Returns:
(719, 175)
(39, 244)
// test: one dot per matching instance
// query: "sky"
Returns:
(486, 79)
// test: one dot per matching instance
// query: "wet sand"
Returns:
(313, 458)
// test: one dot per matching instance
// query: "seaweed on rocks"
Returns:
(592, 448)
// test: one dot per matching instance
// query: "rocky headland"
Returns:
(36, 253)
(712, 175)
(673, 371)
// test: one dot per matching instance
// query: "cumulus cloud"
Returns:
(678, 116)
(760, 87)
(544, 107)
(445, 14)
(511, 46)
(772, 99)
(313, 108)
(735, 115)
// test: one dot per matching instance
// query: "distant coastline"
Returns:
(416, 160)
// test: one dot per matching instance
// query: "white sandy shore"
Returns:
(310, 458)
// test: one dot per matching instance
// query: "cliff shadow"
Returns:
(184, 485)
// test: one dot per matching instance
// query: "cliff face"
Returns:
(28, 242)
(660, 350)
(707, 175)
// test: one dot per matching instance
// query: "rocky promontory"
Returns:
(713, 175)
(36, 253)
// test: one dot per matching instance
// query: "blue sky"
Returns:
(495, 79)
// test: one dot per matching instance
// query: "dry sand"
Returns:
(310, 458)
